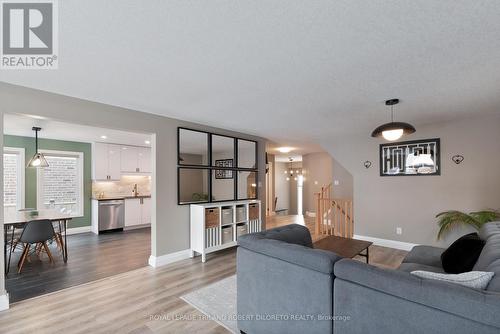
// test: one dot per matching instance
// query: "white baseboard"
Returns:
(4, 302)
(77, 230)
(387, 243)
(169, 258)
(310, 214)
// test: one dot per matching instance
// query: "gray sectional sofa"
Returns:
(286, 286)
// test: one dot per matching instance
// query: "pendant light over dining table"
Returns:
(38, 160)
(393, 130)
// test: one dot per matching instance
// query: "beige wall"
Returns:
(343, 181)
(282, 186)
(171, 231)
(318, 169)
(322, 169)
(411, 202)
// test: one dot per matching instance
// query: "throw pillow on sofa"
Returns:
(472, 279)
(462, 255)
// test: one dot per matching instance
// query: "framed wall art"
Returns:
(223, 173)
(411, 158)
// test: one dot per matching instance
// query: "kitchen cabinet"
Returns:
(144, 157)
(137, 211)
(106, 159)
(135, 159)
(146, 211)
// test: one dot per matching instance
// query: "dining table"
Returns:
(17, 220)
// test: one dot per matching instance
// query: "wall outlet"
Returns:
(399, 230)
(336, 182)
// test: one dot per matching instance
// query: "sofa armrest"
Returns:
(477, 305)
(313, 259)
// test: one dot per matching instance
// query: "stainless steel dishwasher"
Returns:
(111, 215)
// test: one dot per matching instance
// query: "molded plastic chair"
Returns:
(36, 232)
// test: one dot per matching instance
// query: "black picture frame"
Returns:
(211, 168)
(224, 173)
(392, 159)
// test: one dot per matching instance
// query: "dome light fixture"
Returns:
(393, 130)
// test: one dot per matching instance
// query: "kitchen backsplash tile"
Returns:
(123, 187)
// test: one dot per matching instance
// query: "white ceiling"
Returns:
(20, 125)
(289, 70)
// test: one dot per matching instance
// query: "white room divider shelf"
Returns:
(216, 226)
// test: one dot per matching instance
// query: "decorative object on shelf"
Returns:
(367, 164)
(222, 173)
(393, 130)
(417, 157)
(449, 219)
(457, 159)
(291, 171)
(38, 160)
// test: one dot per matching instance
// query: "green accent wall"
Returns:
(28, 144)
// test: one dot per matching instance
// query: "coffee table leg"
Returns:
(368, 255)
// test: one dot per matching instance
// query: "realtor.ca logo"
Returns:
(29, 34)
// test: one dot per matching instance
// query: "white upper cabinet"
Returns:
(129, 159)
(106, 159)
(112, 160)
(144, 157)
(136, 159)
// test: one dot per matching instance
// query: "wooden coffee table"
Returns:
(344, 247)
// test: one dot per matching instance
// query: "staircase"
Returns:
(334, 216)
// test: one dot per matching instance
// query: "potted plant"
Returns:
(450, 219)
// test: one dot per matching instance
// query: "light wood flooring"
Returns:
(145, 300)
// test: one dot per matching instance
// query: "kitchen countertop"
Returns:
(120, 197)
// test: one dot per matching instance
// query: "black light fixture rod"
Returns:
(36, 129)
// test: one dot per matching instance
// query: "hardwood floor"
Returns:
(145, 300)
(91, 257)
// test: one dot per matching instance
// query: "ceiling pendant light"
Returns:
(38, 160)
(393, 130)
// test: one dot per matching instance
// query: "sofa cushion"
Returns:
(292, 234)
(409, 267)
(428, 255)
(291, 244)
(462, 255)
(471, 279)
(488, 230)
(477, 305)
(489, 260)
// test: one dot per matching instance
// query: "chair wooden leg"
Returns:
(59, 241)
(47, 250)
(23, 258)
(38, 249)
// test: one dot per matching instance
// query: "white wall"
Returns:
(411, 202)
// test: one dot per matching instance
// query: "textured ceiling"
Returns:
(292, 71)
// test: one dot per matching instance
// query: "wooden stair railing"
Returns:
(334, 216)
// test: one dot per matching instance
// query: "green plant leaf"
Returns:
(451, 219)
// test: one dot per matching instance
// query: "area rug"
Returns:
(217, 301)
